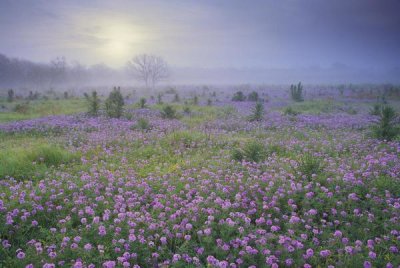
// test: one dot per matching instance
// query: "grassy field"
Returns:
(205, 187)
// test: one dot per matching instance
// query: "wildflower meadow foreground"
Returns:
(212, 181)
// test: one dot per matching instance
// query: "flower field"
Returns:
(209, 188)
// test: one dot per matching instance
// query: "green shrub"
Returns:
(10, 95)
(209, 102)
(309, 165)
(376, 109)
(239, 96)
(253, 96)
(93, 103)
(296, 92)
(258, 112)
(142, 124)
(142, 103)
(290, 111)
(176, 98)
(253, 151)
(386, 128)
(168, 112)
(115, 103)
(22, 108)
(159, 98)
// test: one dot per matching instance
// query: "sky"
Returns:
(206, 34)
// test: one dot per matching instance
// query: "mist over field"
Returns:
(187, 134)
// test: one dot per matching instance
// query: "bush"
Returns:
(239, 96)
(176, 98)
(142, 103)
(159, 98)
(309, 165)
(168, 112)
(252, 151)
(386, 128)
(296, 92)
(10, 95)
(195, 100)
(22, 108)
(258, 112)
(290, 111)
(253, 96)
(93, 103)
(209, 102)
(115, 103)
(142, 124)
(376, 109)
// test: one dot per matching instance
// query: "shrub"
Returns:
(296, 92)
(309, 165)
(66, 95)
(159, 98)
(187, 110)
(115, 103)
(239, 96)
(209, 102)
(168, 112)
(10, 95)
(290, 111)
(22, 108)
(376, 109)
(142, 103)
(253, 96)
(252, 151)
(195, 100)
(386, 128)
(93, 103)
(142, 124)
(258, 112)
(176, 98)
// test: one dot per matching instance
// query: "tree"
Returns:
(115, 103)
(93, 103)
(296, 92)
(150, 69)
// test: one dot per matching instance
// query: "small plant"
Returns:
(66, 95)
(142, 124)
(10, 95)
(239, 96)
(376, 109)
(22, 108)
(168, 112)
(195, 100)
(93, 103)
(309, 165)
(258, 112)
(386, 128)
(209, 102)
(253, 96)
(142, 103)
(252, 151)
(290, 111)
(115, 103)
(187, 110)
(159, 98)
(176, 98)
(296, 92)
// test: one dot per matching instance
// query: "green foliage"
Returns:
(142, 124)
(159, 98)
(195, 100)
(115, 103)
(142, 103)
(258, 112)
(253, 151)
(176, 98)
(93, 103)
(290, 111)
(309, 165)
(187, 110)
(253, 96)
(239, 96)
(22, 108)
(31, 160)
(168, 112)
(10, 95)
(386, 128)
(296, 92)
(376, 109)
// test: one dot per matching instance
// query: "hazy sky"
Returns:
(265, 33)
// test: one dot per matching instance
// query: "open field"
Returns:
(207, 185)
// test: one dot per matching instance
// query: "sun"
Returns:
(120, 41)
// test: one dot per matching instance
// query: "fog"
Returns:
(62, 44)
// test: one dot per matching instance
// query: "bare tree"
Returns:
(150, 69)
(58, 69)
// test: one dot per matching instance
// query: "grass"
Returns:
(31, 157)
(41, 108)
(313, 107)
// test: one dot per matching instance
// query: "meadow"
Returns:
(202, 177)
